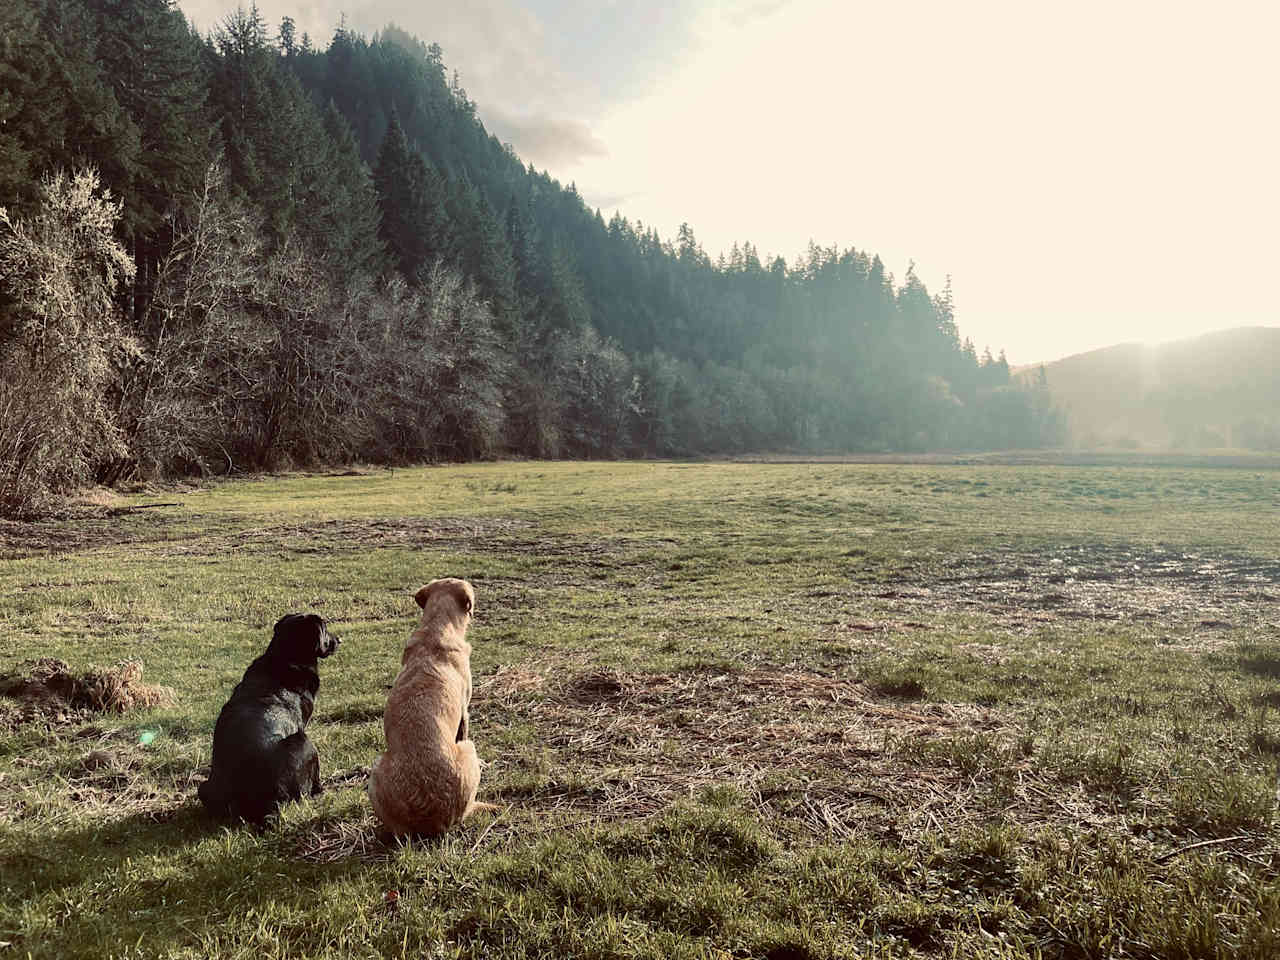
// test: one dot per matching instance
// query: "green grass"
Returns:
(729, 710)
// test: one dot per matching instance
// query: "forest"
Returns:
(250, 251)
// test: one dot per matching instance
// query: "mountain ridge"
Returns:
(1217, 390)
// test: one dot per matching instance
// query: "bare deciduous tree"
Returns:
(61, 341)
(178, 397)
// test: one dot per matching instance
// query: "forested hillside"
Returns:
(1217, 390)
(246, 250)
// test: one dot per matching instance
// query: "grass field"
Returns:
(728, 710)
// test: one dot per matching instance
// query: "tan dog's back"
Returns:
(426, 780)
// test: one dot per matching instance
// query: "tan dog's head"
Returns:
(456, 595)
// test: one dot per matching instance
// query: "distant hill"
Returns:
(1217, 390)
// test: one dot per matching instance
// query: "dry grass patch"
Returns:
(819, 751)
(46, 690)
(338, 839)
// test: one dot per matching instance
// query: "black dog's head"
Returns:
(301, 638)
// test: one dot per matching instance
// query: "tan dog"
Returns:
(426, 780)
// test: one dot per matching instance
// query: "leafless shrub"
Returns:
(177, 398)
(250, 355)
(432, 387)
(245, 364)
(60, 341)
(601, 391)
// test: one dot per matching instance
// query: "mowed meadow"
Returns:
(727, 710)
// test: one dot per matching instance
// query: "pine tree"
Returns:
(94, 129)
(401, 180)
(153, 64)
(32, 111)
(287, 37)
(483, 252)
(152, 61)
(352, 223)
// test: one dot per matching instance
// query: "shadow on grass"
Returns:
(1261, 661)
(152, 879)
(53, 860)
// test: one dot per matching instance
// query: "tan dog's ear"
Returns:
(421, 595)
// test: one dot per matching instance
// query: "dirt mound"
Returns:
(46, 690)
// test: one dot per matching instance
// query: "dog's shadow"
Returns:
(196, 889)
(159, 863)
(58, 859)
(64, 858)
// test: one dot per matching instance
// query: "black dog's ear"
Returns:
(284, 628)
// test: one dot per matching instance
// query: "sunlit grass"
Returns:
(776, 710)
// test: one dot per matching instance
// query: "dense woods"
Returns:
(250, 250)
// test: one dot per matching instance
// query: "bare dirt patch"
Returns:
(45, 690)
(1203, 590)
(79, 529)
(355, 534)
(201, 536)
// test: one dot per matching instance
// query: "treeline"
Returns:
(293, 255)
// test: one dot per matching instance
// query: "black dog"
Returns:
(261, 755)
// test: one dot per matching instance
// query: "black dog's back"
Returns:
(262, 757)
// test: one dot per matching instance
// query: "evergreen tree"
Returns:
(32, 104)
(483, 252)
(351, 222)
(91, 127)
(152, 62)
(402, 180)
(287, 37)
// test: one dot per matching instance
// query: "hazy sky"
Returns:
(1087, 173)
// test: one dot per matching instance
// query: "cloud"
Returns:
(497, 47)
(544, 140)
(743, 12)
(606, 201)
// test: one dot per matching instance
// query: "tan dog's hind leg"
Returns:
(385, 808)
(469, 778)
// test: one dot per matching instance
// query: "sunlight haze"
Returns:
(1086, 175)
